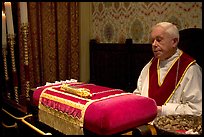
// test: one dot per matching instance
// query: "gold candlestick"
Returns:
(11, 43)
(24, 30)
(4, 53)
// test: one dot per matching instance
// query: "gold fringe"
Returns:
(59, 114)
(59, 123)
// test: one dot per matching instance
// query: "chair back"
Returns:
(191, 42)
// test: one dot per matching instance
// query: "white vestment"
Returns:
(187, 99)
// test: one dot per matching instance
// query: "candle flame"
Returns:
(7, 2)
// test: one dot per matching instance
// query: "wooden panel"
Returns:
(118, 65)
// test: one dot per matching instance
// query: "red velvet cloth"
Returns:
(97, 91)
(109, 115)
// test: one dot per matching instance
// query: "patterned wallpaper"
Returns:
(116, 21)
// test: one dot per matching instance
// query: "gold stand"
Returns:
(11, 42)
(24, 29)
(23, 119)
(4, 53)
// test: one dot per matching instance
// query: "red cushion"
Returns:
(118, 114)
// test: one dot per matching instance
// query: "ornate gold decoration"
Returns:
(27, 89)
(11, 42)
(82, 92)
(4, 53)
(24, 30)
(16, 94)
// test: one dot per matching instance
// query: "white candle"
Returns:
(9, 18)
(4, 42)
(23, 12)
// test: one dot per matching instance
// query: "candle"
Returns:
(9, 18)
(4, 42)
(23, 12)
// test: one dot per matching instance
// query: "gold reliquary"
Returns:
(82, 92)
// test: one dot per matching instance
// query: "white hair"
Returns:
(170, 28)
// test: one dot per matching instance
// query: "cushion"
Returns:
(119, 114)
(110, 111)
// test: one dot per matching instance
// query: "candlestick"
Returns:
(9, 16)
(4, 53)
(24, 29)
(4, 41)
(23, 12)
(11, 42)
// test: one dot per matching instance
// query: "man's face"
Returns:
(163, 44)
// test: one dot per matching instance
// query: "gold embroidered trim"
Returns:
(148, 73)
(179, 81)
(158, 72)
(74, 104)
(68, 94)
(63, 101)
(40, 99)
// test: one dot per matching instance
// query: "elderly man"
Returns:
(172, 78)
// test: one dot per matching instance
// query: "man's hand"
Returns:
(159, 110)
